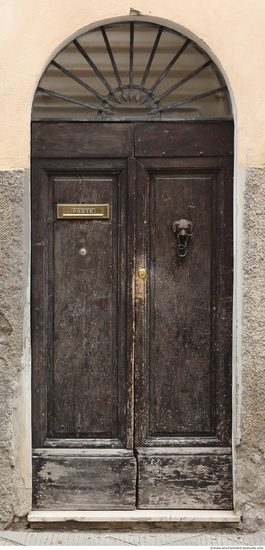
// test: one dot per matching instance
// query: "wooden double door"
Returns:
(132, 369)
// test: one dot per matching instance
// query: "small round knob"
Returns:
(142, 273)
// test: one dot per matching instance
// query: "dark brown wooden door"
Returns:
(132, 376)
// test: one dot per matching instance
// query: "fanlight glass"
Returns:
(131, 71)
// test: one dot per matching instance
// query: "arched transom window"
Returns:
(131, 70)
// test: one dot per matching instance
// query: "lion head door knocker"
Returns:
(183, 231)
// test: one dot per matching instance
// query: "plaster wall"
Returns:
(31, 33)
(234, 32)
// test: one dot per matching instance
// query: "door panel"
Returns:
(180, 310)
(187, 139)
(82, 141)
(79, 318)
(85, 299)
(183, 334)
(131, 376)
(189, 480)
(93, 479)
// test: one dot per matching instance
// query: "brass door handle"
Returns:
(142, 273)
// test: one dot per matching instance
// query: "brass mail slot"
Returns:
(83, 211)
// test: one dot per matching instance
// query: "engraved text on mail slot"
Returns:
(84, 211)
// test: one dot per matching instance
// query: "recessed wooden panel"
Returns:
(187, 481)
(80, 140)
(85, 302)
(180, 305)
(81, 482)
(184, 139)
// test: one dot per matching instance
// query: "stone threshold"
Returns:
(134, 516)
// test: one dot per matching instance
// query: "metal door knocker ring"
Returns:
(182, 250)
(183, 231)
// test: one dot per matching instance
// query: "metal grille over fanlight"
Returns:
(132, 70)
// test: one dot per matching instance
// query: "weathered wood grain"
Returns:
(184, 139)
(81, 278)
(39, 304)
(120, 362)
(81, 140)
(180, 309)
(183, 319)
(181, 293)
(84, 483)
(85, 306)
(185, 481)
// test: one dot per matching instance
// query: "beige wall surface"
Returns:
(32, 31)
